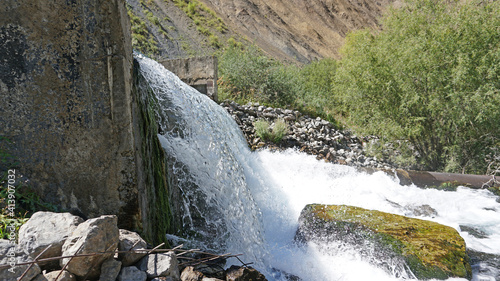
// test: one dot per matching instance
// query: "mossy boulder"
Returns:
(428, 249)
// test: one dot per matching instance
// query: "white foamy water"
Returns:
(297, 179)
(249, 203)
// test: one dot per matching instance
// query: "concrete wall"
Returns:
(198, 72)
(66, 109)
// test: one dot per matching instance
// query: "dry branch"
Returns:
(180, 253)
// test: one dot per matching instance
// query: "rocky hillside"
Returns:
(293, 30)
(299, 29)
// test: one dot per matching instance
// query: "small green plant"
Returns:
(279, 130)
(7, 222)
(203, 30)
(213, 40)
(205, 19)
(274, 133)
(261, 127)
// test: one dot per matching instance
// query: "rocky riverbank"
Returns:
(311, 135)
(68, 248)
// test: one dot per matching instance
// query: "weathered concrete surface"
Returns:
(198, 72)
(66, 105)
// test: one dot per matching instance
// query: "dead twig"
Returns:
(180, 253)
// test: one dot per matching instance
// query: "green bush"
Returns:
(262, 129)
(274, 133)
(279, 130)
(248, 75)
(314, 93)
(213, 40)
(431, 77)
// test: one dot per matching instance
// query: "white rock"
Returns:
(127, 241)
(47, 229)
(56, 275)
(12, 254)
(95, 235)
(160, 264)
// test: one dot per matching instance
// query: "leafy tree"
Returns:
(314, 92)
(431, 77)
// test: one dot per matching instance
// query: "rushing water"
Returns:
(244, 202)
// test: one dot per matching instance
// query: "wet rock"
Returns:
(282, 275)
(485, 264)
(161, 264)
(94, 235)
(473, 231)
(132, 273)
(47, 229)
(130, 241)
(237, 273)
(428, 249)
(422, 210)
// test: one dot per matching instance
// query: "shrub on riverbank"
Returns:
(429, 79)
(246, 74)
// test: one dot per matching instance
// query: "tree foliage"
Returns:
(430, 77)
(248, 75)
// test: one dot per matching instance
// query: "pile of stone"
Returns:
(68, 248)
(311, 135)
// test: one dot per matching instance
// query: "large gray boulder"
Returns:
(47, 229)
(130, 240)
(10, 255)
(93, 236)
(160, 265)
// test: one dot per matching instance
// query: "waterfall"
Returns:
(242, 202)
(207, 153)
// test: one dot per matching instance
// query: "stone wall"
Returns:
(66, 108)
(198, 72)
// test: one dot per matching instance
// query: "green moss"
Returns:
(430, 249)
(159, 215)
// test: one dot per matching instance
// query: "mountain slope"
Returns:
(291, 30)
(299, 29)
